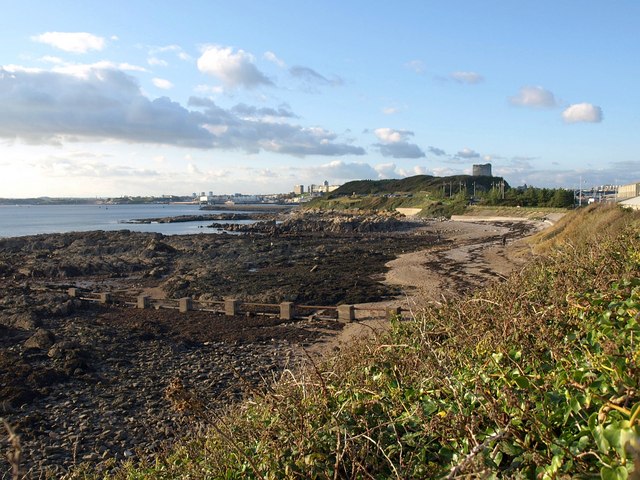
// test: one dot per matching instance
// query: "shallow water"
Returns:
(19, 220)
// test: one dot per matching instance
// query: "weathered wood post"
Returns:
(105, 298)
(393, 313)
(72, 292)
(185, 304)
(144, 301)
(287, 311)
(231, 307)
(346, 313)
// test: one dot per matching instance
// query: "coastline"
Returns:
(109, 369)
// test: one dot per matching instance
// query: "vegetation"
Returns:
(531, 197)
(445, 186)
(535, 377)
(440, 196)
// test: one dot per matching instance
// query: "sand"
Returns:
(470, 254)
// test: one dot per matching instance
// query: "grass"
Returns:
(535, 377)
(534, 213)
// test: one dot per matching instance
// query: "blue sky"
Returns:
(140, 97)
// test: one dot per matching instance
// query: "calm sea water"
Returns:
(33, 219)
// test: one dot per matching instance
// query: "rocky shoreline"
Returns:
(95, 384)
(83, 383)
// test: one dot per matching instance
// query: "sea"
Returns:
(20, 220)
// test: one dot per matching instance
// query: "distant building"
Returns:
(298, 189)
(482, 170)
(629, 191)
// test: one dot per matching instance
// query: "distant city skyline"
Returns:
(149, 98)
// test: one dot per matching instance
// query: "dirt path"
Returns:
(467, 256)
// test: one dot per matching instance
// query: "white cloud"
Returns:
(44, 107)
(390, 110)
(157, 62)
(392, 136)
(582, 112)
(162, 83)
(156, 52)
(52, 59)
(73, 166)
(74, 42)
(84, 70)
(468, 153)
(395, 143)
(233, 69)
(470, 78)
(387, 170)
(273, 58)
(536, 97)
(339, 171)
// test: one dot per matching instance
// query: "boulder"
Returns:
(41, 340)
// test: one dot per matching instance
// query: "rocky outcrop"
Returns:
(326, 223)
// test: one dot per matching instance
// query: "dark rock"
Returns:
(22, 320)
(42, 340)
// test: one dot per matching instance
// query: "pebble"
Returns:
(126, 411)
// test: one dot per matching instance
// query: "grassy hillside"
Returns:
(417, 183)
(536, 377)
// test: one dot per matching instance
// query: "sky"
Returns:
(160, 97)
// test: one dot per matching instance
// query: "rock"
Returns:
(41, 340)
(62, 348)
(23, 320)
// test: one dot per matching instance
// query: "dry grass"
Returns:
(14, 451)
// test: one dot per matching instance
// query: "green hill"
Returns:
(418, 183)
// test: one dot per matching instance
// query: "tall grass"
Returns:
(536, 377)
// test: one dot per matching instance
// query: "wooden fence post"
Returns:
(287, 311)
(346, 313)
(144, 301)
(185, 304)
(230, 307)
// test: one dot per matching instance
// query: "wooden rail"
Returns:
(232, 307)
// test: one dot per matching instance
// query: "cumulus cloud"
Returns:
(249, 111)
(536, 97)
(468, 153)
(162, 83)
(74, 42)
(387, 170)
(582, 112)
(233, 68)
(49, 107)
(470, 78)
(394, 143)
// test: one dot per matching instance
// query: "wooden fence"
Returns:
(233, 307)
